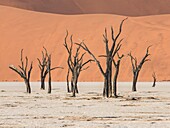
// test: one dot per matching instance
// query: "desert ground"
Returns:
(32, 25)
(148, 108)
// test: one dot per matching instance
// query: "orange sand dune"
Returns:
(119, 7)
(33, 30)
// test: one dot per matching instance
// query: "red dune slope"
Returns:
(33, 30)
(118, 7)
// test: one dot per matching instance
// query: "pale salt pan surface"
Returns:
(151, 108)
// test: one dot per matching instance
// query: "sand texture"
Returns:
(32, 30)
(148, 108)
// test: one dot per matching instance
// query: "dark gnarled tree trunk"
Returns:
(117, 66)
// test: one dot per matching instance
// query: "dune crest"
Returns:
(118, 7)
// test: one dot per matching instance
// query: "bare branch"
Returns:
(103, 56)
(114, 40)
(106, 41)
(85, 68)
(114, 63)
(119, 45)
(87, 62)
(56, 68)
(17, 71)
(86, 49)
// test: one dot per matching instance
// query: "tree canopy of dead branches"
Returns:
(75, 63)
(110, 54)
(136, 68)
(24, 71)
(45, 68)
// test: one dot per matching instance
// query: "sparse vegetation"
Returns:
(45, 68)
(23, 71)
(136, 68)
(110, 54)
(75, 63)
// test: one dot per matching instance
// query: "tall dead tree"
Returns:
(136, 68)
(45, 68)
(42, 66)
(110, 53)
(154, 79)
(75, 63)
(23, 71)
(117, 66)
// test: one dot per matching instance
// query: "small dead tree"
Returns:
(137, 67)
(42, 66)
(23, 71)
(154, 79)
(75, 63)
(110, 54)
(117, 66)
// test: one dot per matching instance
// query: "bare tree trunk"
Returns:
(115, 81)
(49, 74)
(75, 78)
(135, 79)
(154, 79)
(72, 84)
(117, 66)
(106, 86)
(49, 82)
(68, 89)
(74, 87)
(110, 78)
(74, 91)
(108, 82)
(107, 91)
(28, 86)
(154, 83)
(42, 83)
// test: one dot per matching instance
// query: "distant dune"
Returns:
(33, 30)
(118, 7)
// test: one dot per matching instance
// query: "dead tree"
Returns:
(136, 68)
(42, 66)
(23, 71)
(45, 68)
(110, 53)
(154, 79)
(117, 66)
(75, 63)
